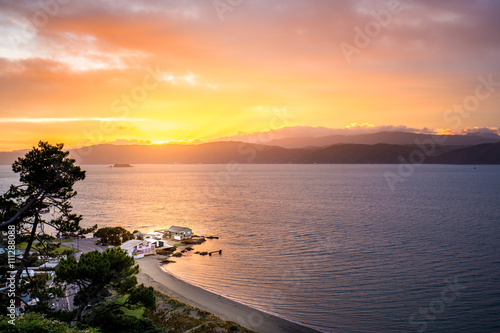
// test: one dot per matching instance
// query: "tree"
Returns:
(36, 323)
(139, 236)
(46, 177)
(114, 236)
(103, 278)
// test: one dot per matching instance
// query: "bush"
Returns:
(36, 323)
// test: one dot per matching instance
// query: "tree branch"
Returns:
(22, 210)
(26, 252)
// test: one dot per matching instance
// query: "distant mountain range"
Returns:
(377, 148)
(397, 138)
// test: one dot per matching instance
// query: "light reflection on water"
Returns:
(329, 245)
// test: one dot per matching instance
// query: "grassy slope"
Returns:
(22, 246)
(174, 316)
(138, 313)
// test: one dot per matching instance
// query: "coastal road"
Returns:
(65, 302)
(85, 245)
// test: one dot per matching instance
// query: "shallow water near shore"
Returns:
(331, 246)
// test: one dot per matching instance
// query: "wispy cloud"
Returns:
(320, 131)
(130, 142)
(65, 65)
(65, 120)
(485, 131)
(188, 79)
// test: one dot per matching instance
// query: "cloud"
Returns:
(319, 131)
(77, 58)
(66, 120)
(188, 79)
(365, 128)
(295, 28)
(76, 52)
(100, 35)
(123, 142)
(483, 131)
(153, 142)
(351, 129)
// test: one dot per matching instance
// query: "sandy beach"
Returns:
(151, 274)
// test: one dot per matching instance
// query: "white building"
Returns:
(137, 248)
(157, 243)
(31, 273)
(48, 266)
(179, 233)
(154, 235)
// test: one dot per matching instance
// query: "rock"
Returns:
(166, 251)
(194, 240)
(212, 237)
(167, 261)
(177, 255)
(203, 253)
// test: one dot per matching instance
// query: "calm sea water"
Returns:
(328, 245)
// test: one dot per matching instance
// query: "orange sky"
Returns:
(88, 72)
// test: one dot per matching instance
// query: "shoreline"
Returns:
(240, 302)
(151, 274)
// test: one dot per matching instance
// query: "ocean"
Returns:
(331, 246)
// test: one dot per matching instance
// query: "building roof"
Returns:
(149, 240)
(177, 229)
(23, 274)
(49, 265)
(131, 243)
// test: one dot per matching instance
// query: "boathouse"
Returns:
(179, 233)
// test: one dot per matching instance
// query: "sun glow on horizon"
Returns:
(174, 72)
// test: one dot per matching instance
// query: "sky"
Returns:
(182, 71)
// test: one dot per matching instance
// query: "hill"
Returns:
(240, 152)
(456, 151)
(388, 137)
(488, 153)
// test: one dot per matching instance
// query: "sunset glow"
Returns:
(89, 72)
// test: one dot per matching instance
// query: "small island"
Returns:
(122, 165)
